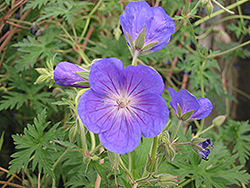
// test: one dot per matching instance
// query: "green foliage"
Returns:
(26, 92)
(66, 9)
(31, 49)
(35, 147)
(238, 29)
(236, 135)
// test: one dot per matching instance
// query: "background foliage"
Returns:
(40, 136)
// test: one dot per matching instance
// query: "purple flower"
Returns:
(153, 24)
(66, 74)
(188, 105)
(201, 147)
(122, 104)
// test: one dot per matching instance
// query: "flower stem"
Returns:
(195, 7)
(225, 9)
(193, 34)
(205, 130)
(175, 133)
(219, 12)
(83, 137)
(154, 148)
(134, 62)
(230, 50)
(126, 171)
(88, 20)
(92, 136)
(201, 77)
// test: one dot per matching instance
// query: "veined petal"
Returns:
(187, 101)
(151, 114)
(205, 109)
(104, 76)
(141, 79)
(96, 111)
(134, 18)
(174, 97)
(160, 28)
(124, 135)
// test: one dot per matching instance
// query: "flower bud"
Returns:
(166, 179)
(209, 8)
(219, 120)
(67, 74)
(73, 134)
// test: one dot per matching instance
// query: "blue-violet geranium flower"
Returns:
(186, 102)
(66, 74)
(201, 148)
(146, 28)
(122, 104)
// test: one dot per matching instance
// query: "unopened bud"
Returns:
(170, 151)
(219, 120)
(209, 8)
(167, 179)
(73, 134)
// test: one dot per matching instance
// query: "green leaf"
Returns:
(100, 170)
(1, 140)
(34, 147)
(31, 49)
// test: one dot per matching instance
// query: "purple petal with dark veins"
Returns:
(141, 79)
(187, 101)
(134, 18)
(104, 76)
(151, 114)
(96, 111)
(161, 28)
(174, 99)
(124, 135)
(205, 109)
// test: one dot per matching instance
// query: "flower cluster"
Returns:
(125, 103)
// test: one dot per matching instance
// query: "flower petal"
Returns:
(65, 74)
(104, 76)
(124, 135)
(205, 109)
(187, 101)
(160, 29)
(174, 99)
(151, 114)
(96, 111)
(141, 79)
(134, 18)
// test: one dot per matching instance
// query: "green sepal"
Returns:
(169, 124)
(131, 42)
(140, 40)
(84, 74)
(187, 115)
(178, 110)
(197, 140)
(42, 71)
(149, 46)
(84, 84)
